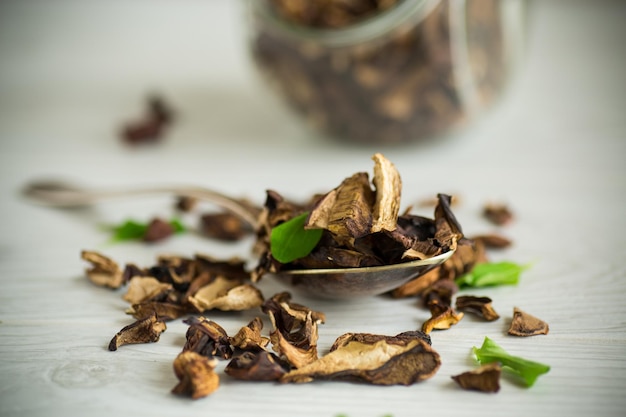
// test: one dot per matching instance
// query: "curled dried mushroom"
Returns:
(478, 305)
(524, 324)
(104, 271)
(145, 330)
(379, 361)
(485, 378)
(196, 375)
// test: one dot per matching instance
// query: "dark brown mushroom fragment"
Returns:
(249, 337)
(370, 338)
(524, 324)
(224, 226)
(146, 330)
(485, 378)
(151, 126)
(207, 338)
(257, 366)
(157, 230)
(477, 305)
(493, 241)
(401, 362)
(103, 272)
(196, 375)
(163, 310)
(497, 213)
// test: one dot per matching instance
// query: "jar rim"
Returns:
(363, 31)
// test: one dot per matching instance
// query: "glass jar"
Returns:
(413, 71)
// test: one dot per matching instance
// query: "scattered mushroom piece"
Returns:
(478, 305)
(143, 289)
(401, 362)
(163, 310)
(249, 337)
(196, 375)
(256, 366)
(524, 324)
(442, 321)
(158, 230)
(226, 295)
(485, 378)
(104, 272)
(146, 330)
(224, 226)
(207, 338)
(497, 213)
(493, 241)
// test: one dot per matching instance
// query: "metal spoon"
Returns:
(325, 283)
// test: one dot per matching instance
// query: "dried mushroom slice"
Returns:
(163, 310)
(104, 272)
(478, 305)
(226, 295)
(346, 211)
(144, 289)
(524, 324)
(249, 337)
(196, 375)
(256, 366)
(370, 338)
(485, 378)
(388, 189)
(493, 241)
(224, 226)
(233, 268)
(298, 348)
(442, 320)
(207, 338)
(380, 363)
(498, 213)
(146, 330)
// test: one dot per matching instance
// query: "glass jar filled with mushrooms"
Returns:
(387, 71)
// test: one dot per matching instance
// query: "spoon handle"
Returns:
(62, 195)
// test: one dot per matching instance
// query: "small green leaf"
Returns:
(134, 230)
(528, 370)
(290, 240)
(490, 274)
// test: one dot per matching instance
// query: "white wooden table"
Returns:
(72, 71)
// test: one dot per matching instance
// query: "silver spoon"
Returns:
(326, 283)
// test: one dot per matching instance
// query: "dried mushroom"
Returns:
(144, 289)
(295, 329)
(104, 272)
(493, 241)
(163, 310)
(196, 375)
(478, 305)
(146, 330)
(442, 320)
(207, 338)
(151, 126)
(257, 366)
(249, 337)
(394, 361)
(226, 295)
(485, 378)
(497, 213)
(524, 324)
(224, 226)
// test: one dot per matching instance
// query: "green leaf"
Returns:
(290, 240)
(490, 274)
(134, 230)
(528, 370)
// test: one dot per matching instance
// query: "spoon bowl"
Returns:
(323, 283)
(342, 283)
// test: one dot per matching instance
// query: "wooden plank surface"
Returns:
(553, 150)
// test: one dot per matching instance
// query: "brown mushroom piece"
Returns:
(163, 310)
(524, 324)
(383, 362)
(196, 375)
(104, 272)
(224, 226)
(442, 321)
(249, 337)
(207, 338)
(144, 289)
(226, 295)
(146, 330)
(477, 305)
(498, 213)
(485, 378)
(257, 366)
